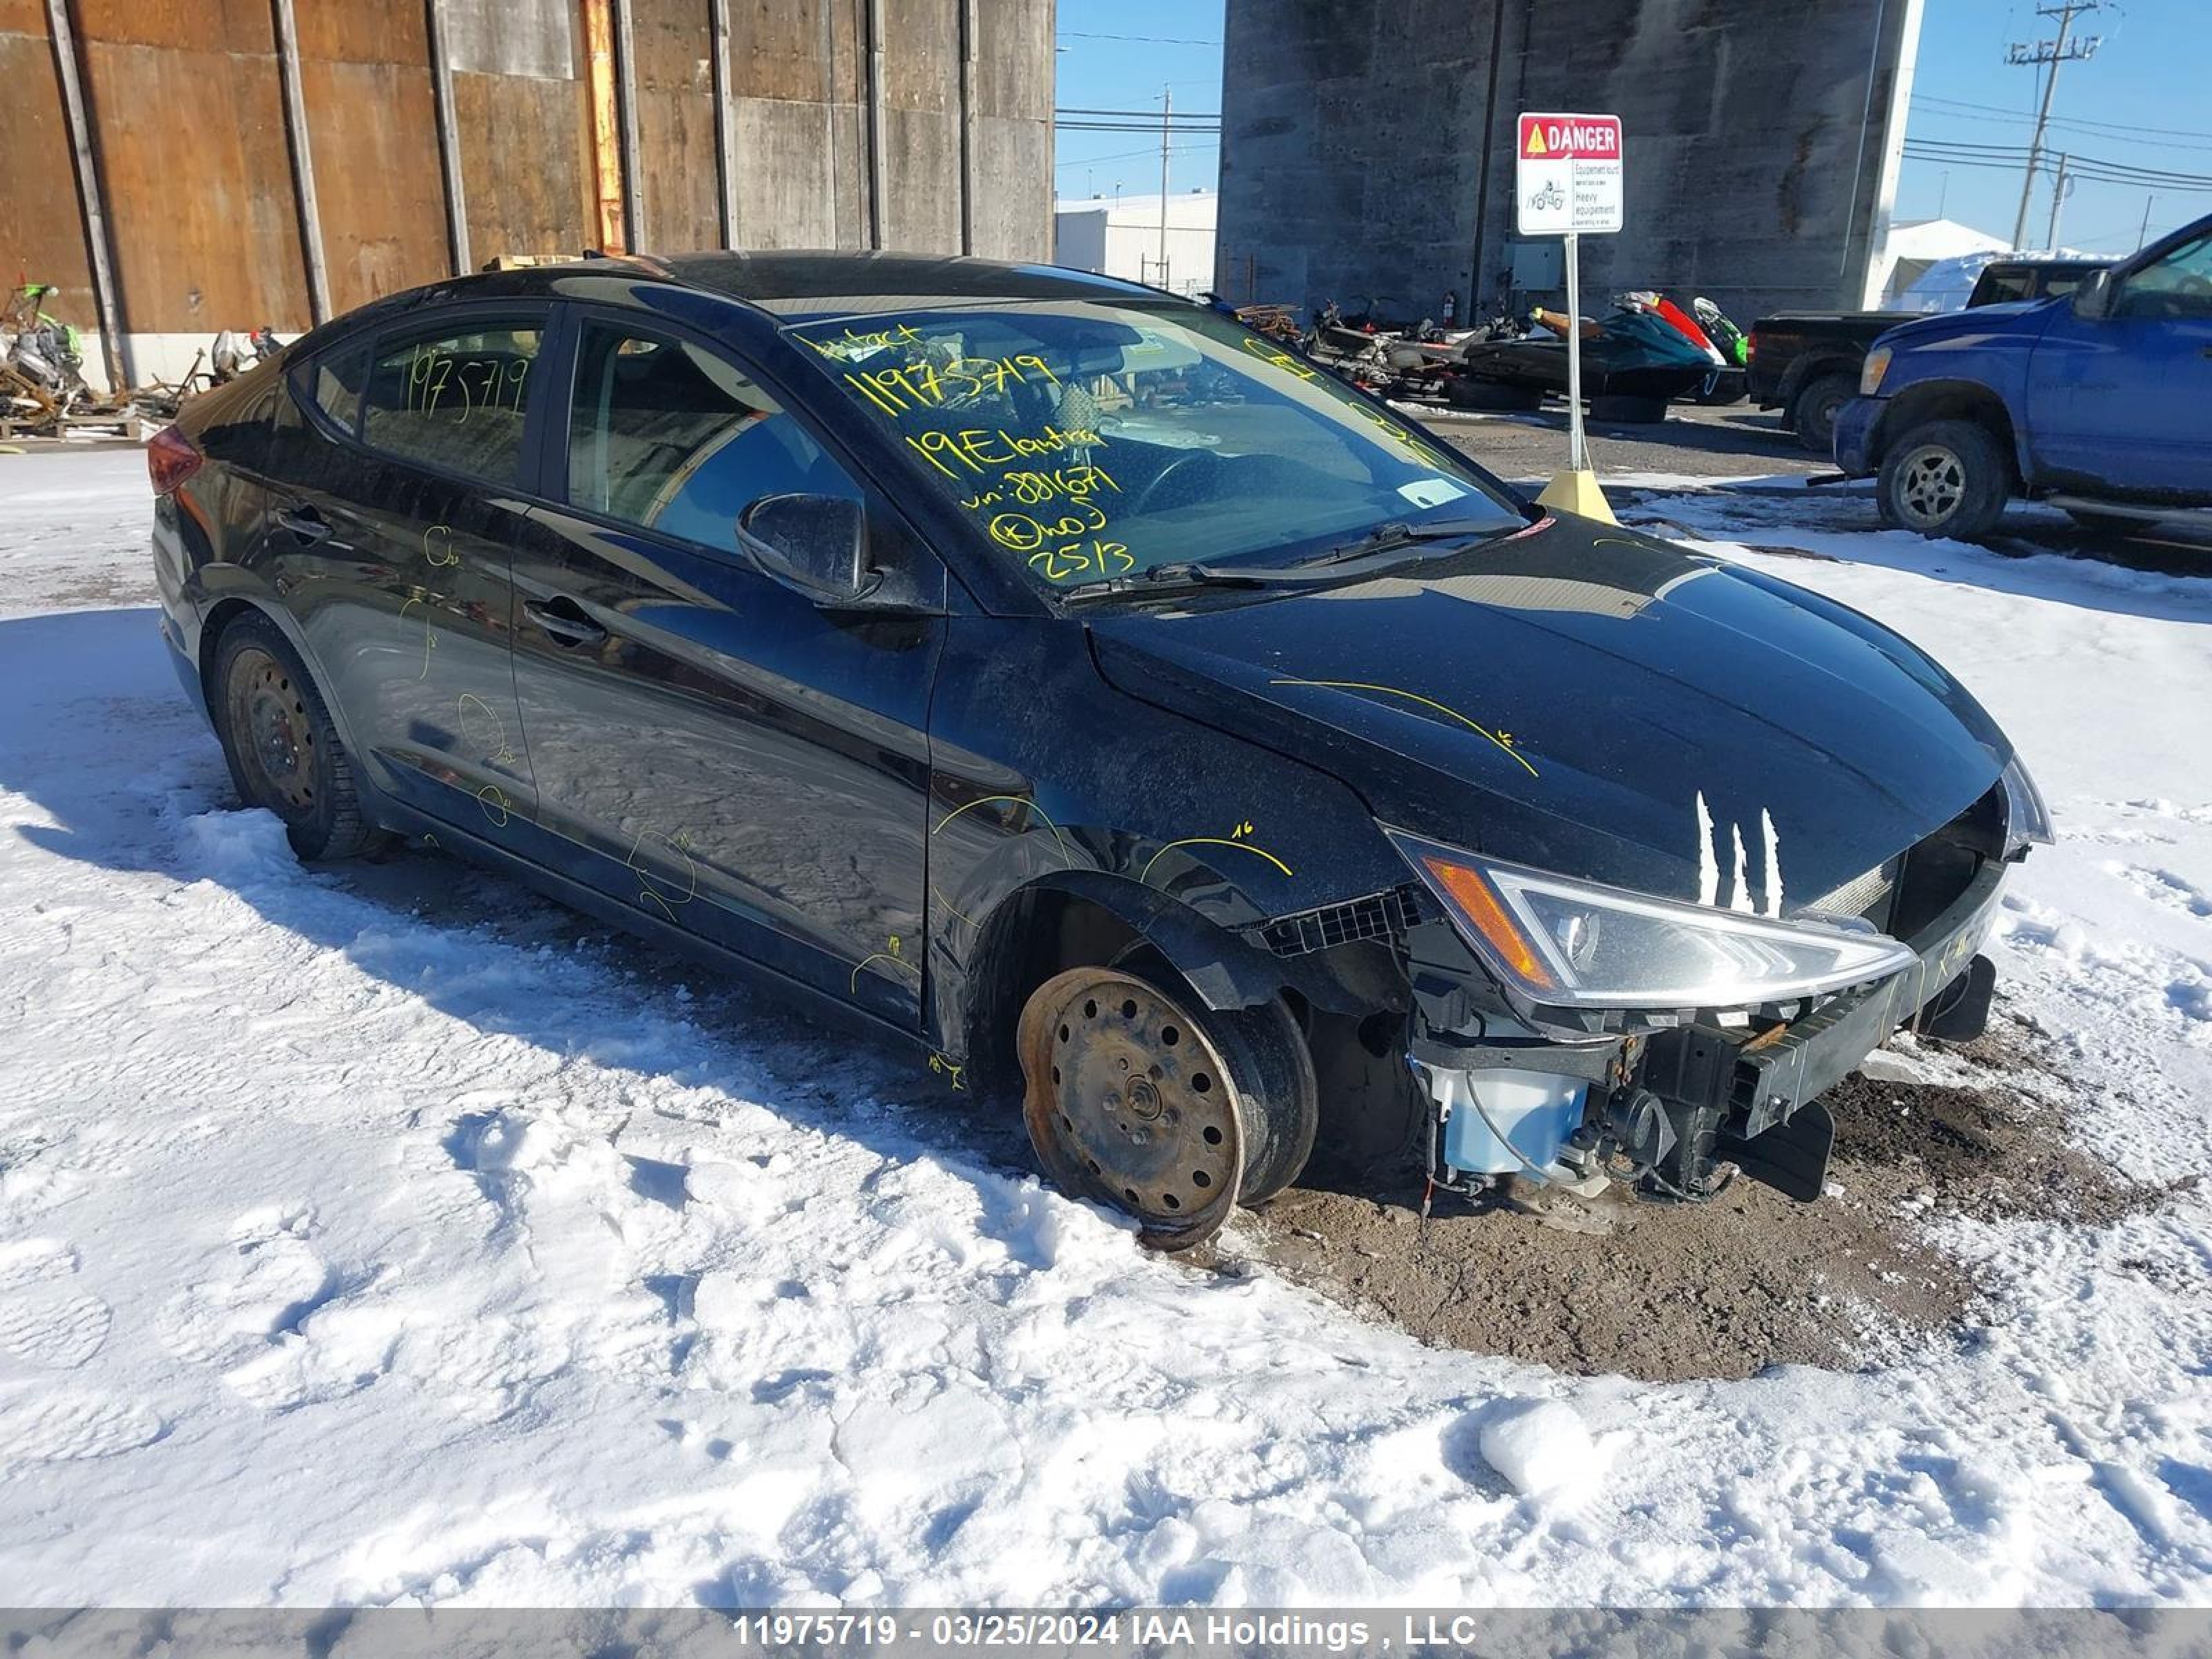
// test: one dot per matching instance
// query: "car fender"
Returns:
(220, 593)
(1947, 399)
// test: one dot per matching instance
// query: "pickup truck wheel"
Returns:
(1137, 1098)
(1948, 478)
(1812, 411)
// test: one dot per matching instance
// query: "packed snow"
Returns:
(389, 1235)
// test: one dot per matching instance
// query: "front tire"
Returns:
(283, 752)
(1139, 1098)
(1946, 478)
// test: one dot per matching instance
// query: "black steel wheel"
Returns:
(1137, 1099)
(283, 752)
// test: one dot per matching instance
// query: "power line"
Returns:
(2060, 120)
(2010, 155)
(2170, 137)
(1147, 39)
(1145, 114)
(1128, 155)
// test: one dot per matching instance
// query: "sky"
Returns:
(2141, 101)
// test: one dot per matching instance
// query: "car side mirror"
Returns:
(817, 545)
(2093, 299)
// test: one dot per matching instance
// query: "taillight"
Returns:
(171, 458)
(1751, 346)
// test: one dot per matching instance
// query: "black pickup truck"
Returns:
(1806, 363)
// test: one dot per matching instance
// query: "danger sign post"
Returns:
(1567, 181)
(1567, 178)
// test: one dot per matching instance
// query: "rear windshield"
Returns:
(1088, 441)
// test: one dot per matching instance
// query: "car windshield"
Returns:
(1092, 442)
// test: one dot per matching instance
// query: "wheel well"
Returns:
(1031, 937)
(1918, 405)
(1805, 374)
(211, 632)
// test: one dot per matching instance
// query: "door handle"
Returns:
(564, 621)
(309, 525)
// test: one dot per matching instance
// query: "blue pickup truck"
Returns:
(2100, 403)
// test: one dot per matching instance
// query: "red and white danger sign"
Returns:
(1567, 178)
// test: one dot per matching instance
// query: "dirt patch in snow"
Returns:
(1667, 1292)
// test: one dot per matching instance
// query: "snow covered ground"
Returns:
(390, 1235)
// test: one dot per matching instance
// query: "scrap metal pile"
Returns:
(1645, 351)
(43, 394)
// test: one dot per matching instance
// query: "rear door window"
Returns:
(455, 398)
(669, 436)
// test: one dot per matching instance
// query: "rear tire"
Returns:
(1813, 410)
(1945, 478)
(283, 752)
(1140, 1098)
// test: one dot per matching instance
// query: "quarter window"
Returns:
(671, 437)
(454, 400)
(333, 382)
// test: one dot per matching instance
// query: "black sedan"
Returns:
(1061, 679)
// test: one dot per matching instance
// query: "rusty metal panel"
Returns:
(364, 31)
(41, 227)
(218, 26)
(206, 238)
(526, 154)
(372, 124)
(674, 78)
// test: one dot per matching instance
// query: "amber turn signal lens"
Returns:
(1481, 907)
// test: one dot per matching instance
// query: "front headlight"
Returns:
(1871, 373)
(1558, 943)
(2027, 820)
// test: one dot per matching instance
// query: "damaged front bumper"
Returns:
(1672, 1105)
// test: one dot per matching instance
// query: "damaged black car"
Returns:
(1138, 721)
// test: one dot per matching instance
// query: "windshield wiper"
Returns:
(1390, 537)
(1377, 544)
(1174, 578)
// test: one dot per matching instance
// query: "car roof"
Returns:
(812, 282)
(799, 283)
(791, 285)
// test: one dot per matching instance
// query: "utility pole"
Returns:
(2057, 200)
(1167, 113)
(2144, 235)
(2051, 53)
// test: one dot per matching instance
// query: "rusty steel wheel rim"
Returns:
(1130, 1102)
(273, 733)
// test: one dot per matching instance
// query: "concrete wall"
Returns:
(193, 160)
(1368, 145)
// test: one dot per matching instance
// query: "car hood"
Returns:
(1590, 702)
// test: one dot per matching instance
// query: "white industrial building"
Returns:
(1122, 236)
